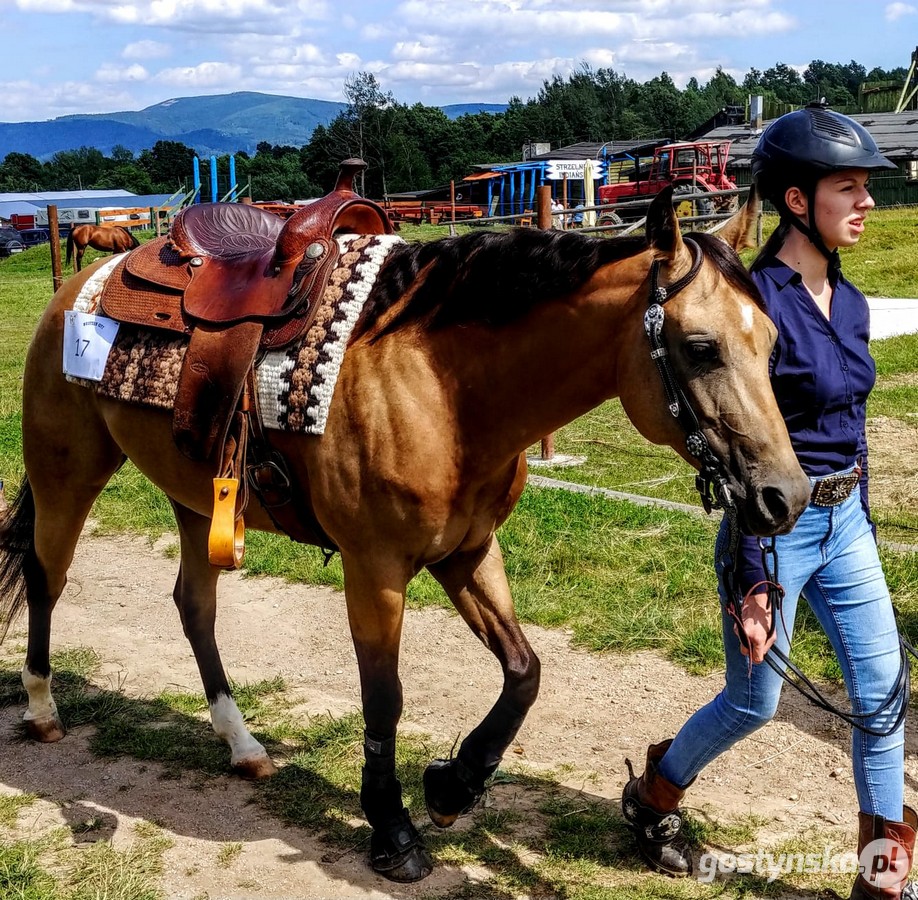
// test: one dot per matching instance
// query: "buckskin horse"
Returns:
(113, 238)
(469, 350)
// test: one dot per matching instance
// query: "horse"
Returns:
(103, 237)
(470, 349)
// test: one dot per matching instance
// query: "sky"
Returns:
(59, 57)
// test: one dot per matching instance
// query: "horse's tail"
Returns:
(70, 245)
(133, 237)
(17, 548)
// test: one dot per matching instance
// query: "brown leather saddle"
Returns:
(236, 280)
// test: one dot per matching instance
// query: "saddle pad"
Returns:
(295, 383)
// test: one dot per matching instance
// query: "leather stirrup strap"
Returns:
(226, 537)
(210, 385)
(269, 477)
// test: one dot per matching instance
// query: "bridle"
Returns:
(713, 488)
(711, 480)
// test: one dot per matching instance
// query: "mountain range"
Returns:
(224, 123)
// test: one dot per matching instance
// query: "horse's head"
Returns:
(715, 342)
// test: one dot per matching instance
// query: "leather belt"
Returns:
(835, 489)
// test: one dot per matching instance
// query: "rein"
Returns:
(713, 488)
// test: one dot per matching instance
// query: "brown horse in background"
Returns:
(113, 238)
(470, 349)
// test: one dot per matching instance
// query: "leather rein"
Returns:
(713, 488)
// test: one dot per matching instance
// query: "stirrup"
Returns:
(226, 538)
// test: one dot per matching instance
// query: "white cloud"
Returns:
(496, 22)
(300, 54)
(213, 16)
(18, 100)
(657, 53)
(204, 75)
(896, 11)
(428, 47)
(112, 73)
(146, 50)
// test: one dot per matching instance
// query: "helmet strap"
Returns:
(811, 232)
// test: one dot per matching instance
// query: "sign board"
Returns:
(572, 169)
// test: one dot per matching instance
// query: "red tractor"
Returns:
(692, 168)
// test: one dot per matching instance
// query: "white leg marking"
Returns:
(41, 703)
(227, 722)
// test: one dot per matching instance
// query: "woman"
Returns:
(813, 165)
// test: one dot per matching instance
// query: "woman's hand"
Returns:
(756, 622)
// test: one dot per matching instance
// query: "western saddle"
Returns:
(237, 280)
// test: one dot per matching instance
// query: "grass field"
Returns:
(619, 576)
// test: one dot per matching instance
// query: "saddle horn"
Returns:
(347, 172)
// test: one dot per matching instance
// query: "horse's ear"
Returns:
(739, 231)
(662, 227)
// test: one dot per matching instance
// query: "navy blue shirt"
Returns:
(822, 373)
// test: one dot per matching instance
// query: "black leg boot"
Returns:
(650, 805)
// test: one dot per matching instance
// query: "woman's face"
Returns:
(841, 206)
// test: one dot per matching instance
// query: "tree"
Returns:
(21, 172)
(121, 154)
(277, 173)
(169, 164)
(71, 170)
(366, 114)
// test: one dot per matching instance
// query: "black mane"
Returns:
(495, 278)
(487, 277)
(728, 263)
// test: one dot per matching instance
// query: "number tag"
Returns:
(88, 340)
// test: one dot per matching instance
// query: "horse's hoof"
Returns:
(254, 768)
(47, 729)
(447, 797)
(398, 853)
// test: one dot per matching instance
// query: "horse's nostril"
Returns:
(775, 503)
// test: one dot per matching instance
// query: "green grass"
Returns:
(51, 868)
(533, 835)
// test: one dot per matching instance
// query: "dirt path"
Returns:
(591, 713)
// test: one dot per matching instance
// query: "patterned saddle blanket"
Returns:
(295, 383)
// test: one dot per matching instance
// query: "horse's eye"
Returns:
(701, 351)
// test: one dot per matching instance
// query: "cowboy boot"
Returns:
(884, 875)
(650, 805)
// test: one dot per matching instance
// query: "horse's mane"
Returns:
(486, 277)
(728, 263)
(495, 278)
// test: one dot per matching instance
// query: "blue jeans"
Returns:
(831, 559)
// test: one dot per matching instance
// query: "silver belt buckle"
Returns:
(834, 489)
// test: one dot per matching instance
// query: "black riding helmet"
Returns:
(799, 148)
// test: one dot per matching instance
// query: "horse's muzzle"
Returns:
(774, 505)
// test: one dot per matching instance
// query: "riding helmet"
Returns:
(799, 148)
(818, 138)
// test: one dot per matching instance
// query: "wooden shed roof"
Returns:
(594, 150)
(896, 135)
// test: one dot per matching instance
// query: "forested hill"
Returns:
(224, 123)
(289, 148)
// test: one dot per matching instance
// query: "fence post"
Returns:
(565, 222)
(57, 274)
(543, 206)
